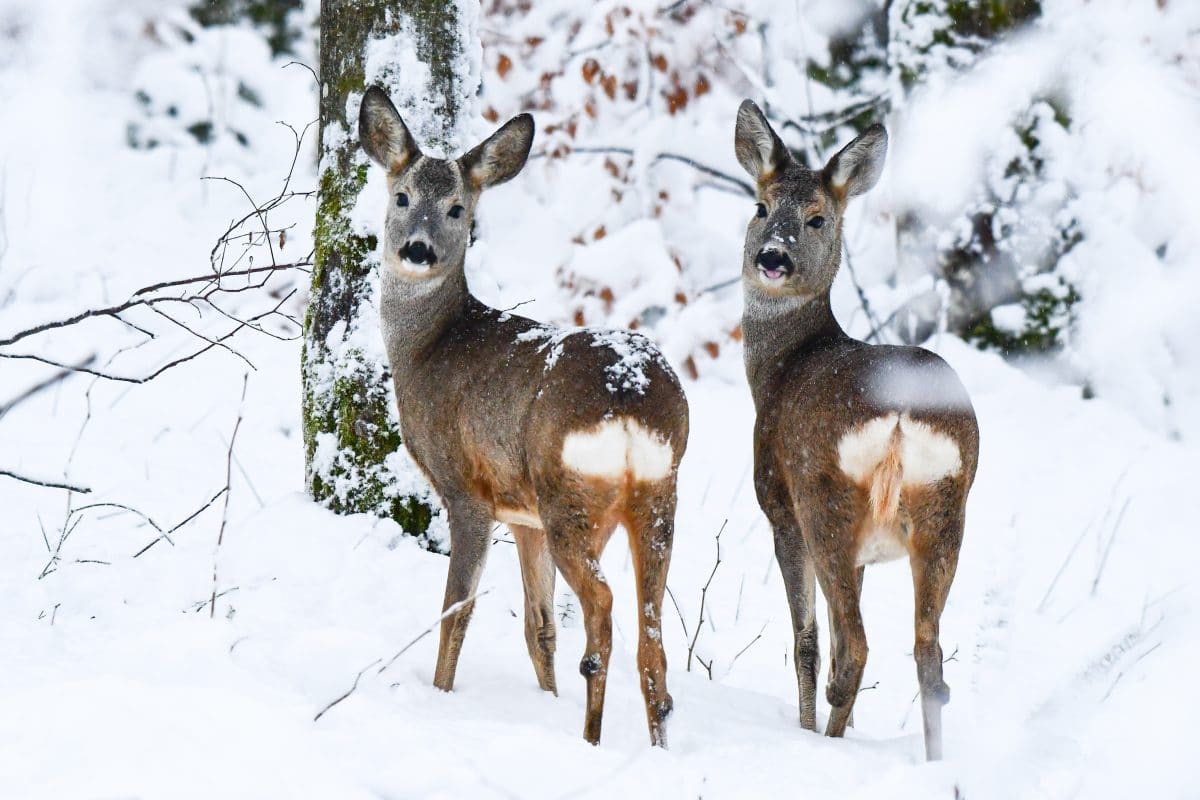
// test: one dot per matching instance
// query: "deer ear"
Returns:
(858, 165)
(502, 155)
(382, 132)
(759, 149)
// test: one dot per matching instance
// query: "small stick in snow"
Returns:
(212, 608)
(1121, 674)
(747, 647)
(1108, 547)
(348, 692)
(452, 609)
(703, 598)
(167, 534)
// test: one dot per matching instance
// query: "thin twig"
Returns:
(167, 534)
(1108, 547)
(682, 621)
(451, 609)
(46, 482)
(872, 320)
(454, 607)
(742, 186)
(212, 608)
(54, 379)
(703, 598)
(348, 692)
(748, 646)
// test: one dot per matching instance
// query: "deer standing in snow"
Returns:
(561, 435)
(862, 453)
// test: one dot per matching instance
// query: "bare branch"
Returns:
(53, 380)
(46, 482)
(742, 186)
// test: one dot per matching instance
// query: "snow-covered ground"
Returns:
(1071, 630)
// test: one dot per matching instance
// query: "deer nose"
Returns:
(418, 252)
(773, 260)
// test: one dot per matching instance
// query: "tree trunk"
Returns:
(354, 459)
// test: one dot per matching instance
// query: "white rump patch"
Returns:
(926, 454)
(616, 446)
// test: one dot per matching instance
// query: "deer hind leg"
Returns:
(537, 574)
(838, 575)
(933, 572)
(833, 646)
(651, 525)
(576, 542)
(470, 535)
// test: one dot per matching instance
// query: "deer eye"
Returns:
(816, 222)
(760, 210)
(402, 200)
(455, 211)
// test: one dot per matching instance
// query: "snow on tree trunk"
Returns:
(425, 53)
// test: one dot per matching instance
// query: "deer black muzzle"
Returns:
(418, 253)
(775, 261)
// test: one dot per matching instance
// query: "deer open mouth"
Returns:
(774, 266)
(773, 276)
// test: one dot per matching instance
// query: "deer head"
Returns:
(793, 242)
(432, 205)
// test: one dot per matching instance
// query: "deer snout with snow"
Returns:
(862, 453)
(560, 434)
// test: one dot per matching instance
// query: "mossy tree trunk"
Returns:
(353, 451)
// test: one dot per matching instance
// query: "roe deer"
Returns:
(862, 453)
(561, 435)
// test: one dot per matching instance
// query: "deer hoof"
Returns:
(663, 709)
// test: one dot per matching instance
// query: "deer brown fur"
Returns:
(563, 435)
(862, 453)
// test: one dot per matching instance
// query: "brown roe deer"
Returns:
(561, 435)
(862, 453)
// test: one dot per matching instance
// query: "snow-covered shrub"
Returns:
(278, 20)
(202, 85)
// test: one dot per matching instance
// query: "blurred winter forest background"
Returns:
(185, 218)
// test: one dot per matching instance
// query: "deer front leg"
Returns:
(470, 526)
(799, 584)
(651, 529)
(537, 575)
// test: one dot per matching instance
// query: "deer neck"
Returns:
(415, 314)
(778, 329)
